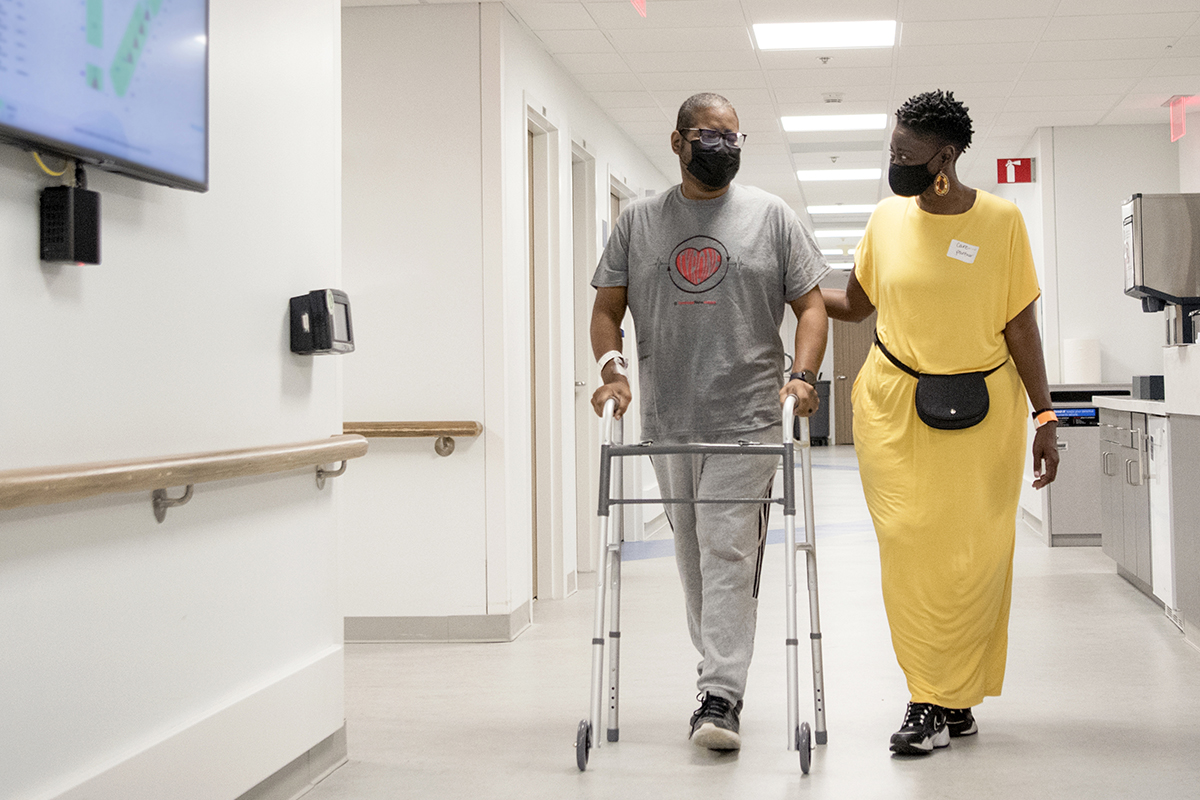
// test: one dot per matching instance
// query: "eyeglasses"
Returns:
(710, 137)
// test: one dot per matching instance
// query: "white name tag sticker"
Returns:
(962, 251)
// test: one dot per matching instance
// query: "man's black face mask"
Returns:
(714, 165)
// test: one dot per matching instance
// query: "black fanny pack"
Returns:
(948, 402)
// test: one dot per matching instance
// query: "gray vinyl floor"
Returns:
(1102, 697)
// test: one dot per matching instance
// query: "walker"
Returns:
(799, 735)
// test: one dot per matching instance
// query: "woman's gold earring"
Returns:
(941, 184)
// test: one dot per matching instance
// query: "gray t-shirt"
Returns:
(707, 282)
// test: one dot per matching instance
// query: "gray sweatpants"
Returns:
(719, 550)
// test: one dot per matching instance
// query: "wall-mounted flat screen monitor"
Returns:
(122, 84)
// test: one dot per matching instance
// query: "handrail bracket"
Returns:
(162, 502)
(323, 473)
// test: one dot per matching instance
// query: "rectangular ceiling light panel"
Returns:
(824, 35)
(835, 122)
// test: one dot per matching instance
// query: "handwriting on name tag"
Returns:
(962, 251)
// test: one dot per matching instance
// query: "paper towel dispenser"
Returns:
(1162, 257)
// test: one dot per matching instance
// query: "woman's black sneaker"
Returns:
(924, 729)
(715, 723)
(961, 722)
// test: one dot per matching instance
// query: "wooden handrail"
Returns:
(406, 430)
(48, 485)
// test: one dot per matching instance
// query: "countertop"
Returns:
(1157, 407)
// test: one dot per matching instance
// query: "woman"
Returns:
(950, 271)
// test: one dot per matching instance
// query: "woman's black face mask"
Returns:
(911, 180)
(714, 165)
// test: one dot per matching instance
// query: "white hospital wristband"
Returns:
(619, 362)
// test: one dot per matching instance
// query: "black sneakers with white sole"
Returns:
(923, 730)
(961, 722)
(715, 723)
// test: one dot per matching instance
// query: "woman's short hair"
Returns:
(697, 103)
(937, 114)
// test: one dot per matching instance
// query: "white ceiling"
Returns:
(1017, 64)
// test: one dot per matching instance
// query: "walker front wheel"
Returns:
(804, 745)
(583, 744)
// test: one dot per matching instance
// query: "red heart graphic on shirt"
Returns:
(697, 266)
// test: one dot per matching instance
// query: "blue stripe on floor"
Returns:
(665, 548)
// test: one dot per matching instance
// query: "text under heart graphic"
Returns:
(697, 266)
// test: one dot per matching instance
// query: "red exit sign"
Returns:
(1014, 170)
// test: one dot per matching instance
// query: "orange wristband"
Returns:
(1044, 417)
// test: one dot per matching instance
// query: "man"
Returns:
(706, 270)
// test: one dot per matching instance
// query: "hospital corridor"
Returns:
(1100, 699)
(317, 313)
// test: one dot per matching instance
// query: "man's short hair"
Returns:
(697, 103)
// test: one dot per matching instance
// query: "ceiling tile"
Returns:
(1169, 85)
(1187, 47)
(740, 98)
(681, 62)
(1030, 88)
(763, 153)
(1138, 116)
(552, 16)
(669, 81)
(592, 41)
(848, 160)
(812, 59)
(941, 11)
(1106, 7)
(1058, 103)
(1118, 26)
(846, 192)
(655, 115)
(1101, 49)
(1046, 119)
(956, 55)
(1176, 66)
(1077, 70)
(610, 81)
(949, 76)
(672, 14)
(649, 128)
(592, 63)
(988, 31)
(795, 100)
(682, 40)
(833, 79)
(634, 99)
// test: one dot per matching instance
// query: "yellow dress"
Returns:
(944, 503)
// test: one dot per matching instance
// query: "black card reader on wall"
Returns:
(321, 323)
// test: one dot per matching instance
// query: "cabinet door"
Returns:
(1112, 478)
(1137, 503)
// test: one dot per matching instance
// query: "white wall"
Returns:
(1095, 170)
(1189, 156)
(194, 658)
(1073, 213)
(436, 245)
(415, 534)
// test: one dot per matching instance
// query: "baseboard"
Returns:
(305, 772)
(1075, 540)
(472, 628)
(237, 747)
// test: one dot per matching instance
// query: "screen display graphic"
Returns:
(121, 83)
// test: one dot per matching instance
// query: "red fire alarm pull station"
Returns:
(1014, 170)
